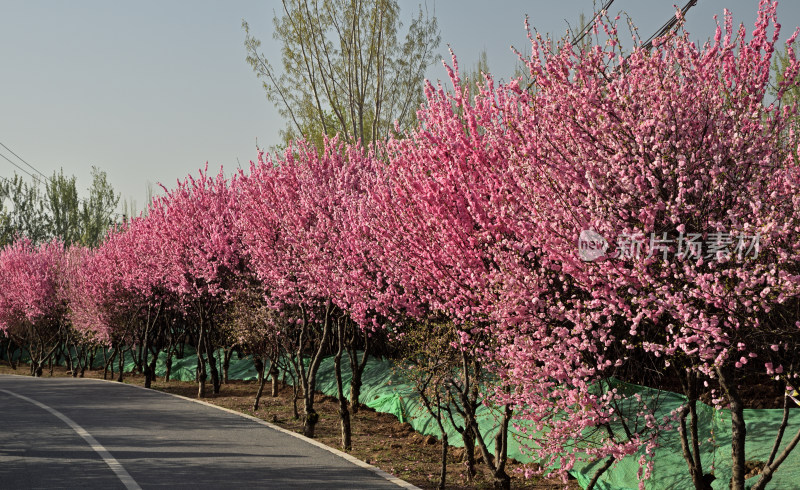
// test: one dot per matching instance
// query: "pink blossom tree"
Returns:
(33, 306)
(261, 332)
(119, 295)
(295, 219)
(192, 232)
(486, 202)
(611, 145)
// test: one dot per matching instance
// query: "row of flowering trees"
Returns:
(629, 218)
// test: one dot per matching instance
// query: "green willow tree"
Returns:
(475, 77)
(63, 207)
(57, 212)
(79, 221)
(22, 211)
(97, 211)
(347, 68)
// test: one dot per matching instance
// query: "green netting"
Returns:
(670, 469)
(385, 389)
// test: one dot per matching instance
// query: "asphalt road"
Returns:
(81, 433)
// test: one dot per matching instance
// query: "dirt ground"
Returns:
(378, 439)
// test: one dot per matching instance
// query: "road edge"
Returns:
(383, 474)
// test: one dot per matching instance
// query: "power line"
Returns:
(588, 28)
(668, 25)
(14, 164)
(22, 160)
(662, 31)
(35, 178)
(579, 37)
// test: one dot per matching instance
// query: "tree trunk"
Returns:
(168, 367)
(83, 360)
(443, 472)
(144, 353)
(599, 472)
(469, 452)
(201, 366)
(152, 367)
(738, 429)
(136, 354)
(120, 363)
(105, 363)
(468, 394)
(259, 365)
(308, 378)
(109, 363)
(14, 362)
(311, 417)
(295, 411)
(773, 463)
(498, 462)
(201, 376)
(71, 361)
(171, 348)
(433, 405)
(226, 363)
(344, 413)
(212, 364)
(690, 438)
(356, 368)
(273, 374)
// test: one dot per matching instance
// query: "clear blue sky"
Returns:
(150, 90)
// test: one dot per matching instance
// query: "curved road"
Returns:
(83, 433)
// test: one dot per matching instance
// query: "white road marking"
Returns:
(112, 462)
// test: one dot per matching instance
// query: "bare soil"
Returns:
(378, 439)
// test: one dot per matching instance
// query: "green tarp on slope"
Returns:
(386, 390)
(670, 470)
